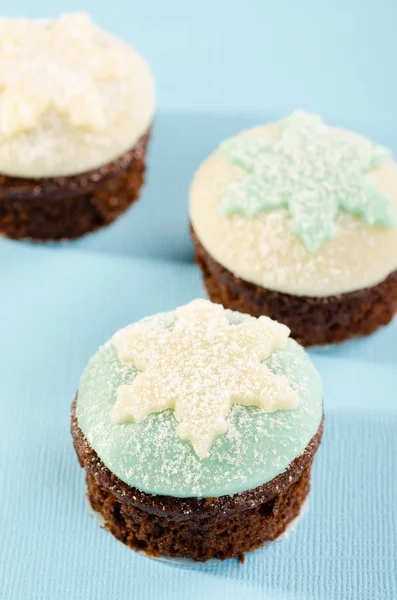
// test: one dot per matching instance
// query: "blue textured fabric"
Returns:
(219, 67)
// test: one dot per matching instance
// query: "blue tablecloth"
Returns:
(220, 67)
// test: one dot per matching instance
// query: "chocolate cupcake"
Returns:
(197, 430)
(76, 107)
(298, 221)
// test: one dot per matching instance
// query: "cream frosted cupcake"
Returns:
(76, 107)
(298, 221)
(197, 430)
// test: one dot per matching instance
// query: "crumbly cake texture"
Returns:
(72, 97)
(200, 367)
(150, 455)
(196, 528)
(68, 207)
(257, 200)
(312, 321)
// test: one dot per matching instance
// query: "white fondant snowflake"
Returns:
(54, 65)
(200, 367)
(312, 170)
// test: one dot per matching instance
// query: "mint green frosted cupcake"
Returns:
(197, 429)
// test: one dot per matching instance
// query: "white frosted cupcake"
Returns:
(76, 107)
(298, 220)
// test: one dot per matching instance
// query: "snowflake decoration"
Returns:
(66, 50)
(200, 367)
(313, 171)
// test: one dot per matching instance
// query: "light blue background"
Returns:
(219, 66)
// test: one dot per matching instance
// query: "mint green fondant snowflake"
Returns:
(313, 172)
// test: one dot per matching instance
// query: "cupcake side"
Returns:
(297, 220)
(74, 133)
(215, 461)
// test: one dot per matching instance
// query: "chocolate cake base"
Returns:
(195, 528)
(68, 207)
(313, 321)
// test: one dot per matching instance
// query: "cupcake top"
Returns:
(72, 97)
(299, 207)
(199, 402)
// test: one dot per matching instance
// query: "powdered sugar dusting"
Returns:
(200, 367)
(265, 249)
(72, 97)
(150, 455)
(311, 170)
